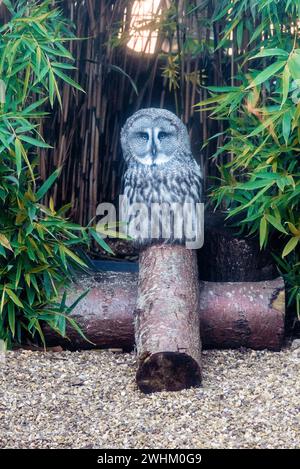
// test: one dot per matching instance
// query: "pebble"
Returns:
(248, 399)
(295, 344)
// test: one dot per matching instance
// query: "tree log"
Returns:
(232, 314)
(226, 257)
(243, 314)
(166, 319)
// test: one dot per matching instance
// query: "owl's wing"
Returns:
(194, 180)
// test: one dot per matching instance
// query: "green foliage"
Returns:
(290, 270)
(260, 173)
(37, 243)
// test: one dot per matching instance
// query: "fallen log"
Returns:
(166, 319)
(232, 314)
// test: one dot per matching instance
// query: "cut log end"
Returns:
(167, 371)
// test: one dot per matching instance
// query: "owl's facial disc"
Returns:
(153, 145)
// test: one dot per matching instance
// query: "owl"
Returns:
(161, 172)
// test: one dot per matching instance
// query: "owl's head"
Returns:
(153, 137)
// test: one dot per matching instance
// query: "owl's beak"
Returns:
(153, 151)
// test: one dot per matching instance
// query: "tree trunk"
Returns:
(232, 314)
(226, 257)
(166, 318)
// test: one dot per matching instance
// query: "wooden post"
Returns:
(166, 318)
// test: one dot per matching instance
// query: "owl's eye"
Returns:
(143, 136)
(162, 135)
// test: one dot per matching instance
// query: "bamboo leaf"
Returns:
(222, 89)
(290, 246)
(5, 242)
(2, 300)
(11, 318)
(78, 329)
(251, 185)
(14, 297)
(276, 52)
(266, 74)
(293, 229)
(34, 105)
(262, 232)
(18, 153)
(285, 84)
(294, 64)
(34, 141)
(120, 70)
(47, 184)
(251, 202)
(286, 126)
(101, 241)
(67, 79)
(74, 256)
(276, 223)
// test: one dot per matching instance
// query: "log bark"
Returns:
(243, 314)
(166, 319)
(226, 257)
(232, 314)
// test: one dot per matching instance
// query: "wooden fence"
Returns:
(85, 135)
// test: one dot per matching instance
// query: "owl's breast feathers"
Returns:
(176, 182)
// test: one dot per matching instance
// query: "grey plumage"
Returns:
(160, 164)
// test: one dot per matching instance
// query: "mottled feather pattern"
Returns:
(168, 183)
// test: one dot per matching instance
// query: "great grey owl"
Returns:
(160, 166)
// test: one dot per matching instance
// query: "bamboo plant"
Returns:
(260, 107)
(38, 244)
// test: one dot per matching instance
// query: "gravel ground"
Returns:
(90, 400)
